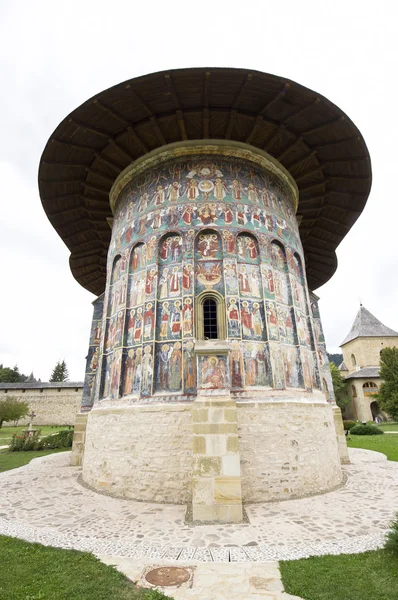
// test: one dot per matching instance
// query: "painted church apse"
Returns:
(193, 228)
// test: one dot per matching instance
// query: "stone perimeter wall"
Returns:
(52, 407)
(145, 452)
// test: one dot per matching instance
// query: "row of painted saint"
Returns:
(219, 179)
(248, 281)
(175, 370)
(176, 217)
(209, 245)
(246, 319)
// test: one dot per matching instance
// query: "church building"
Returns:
(361, 364)
(203, 207)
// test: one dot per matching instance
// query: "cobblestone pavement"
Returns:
(44, 502)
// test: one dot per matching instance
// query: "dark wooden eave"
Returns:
(313, 139)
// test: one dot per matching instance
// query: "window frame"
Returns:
(221, 316)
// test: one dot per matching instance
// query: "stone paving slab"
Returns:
(44, 502)
(244, 581)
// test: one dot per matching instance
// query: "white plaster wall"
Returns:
(141, 452)
(52, 407)
(287, 450)
(144, 452)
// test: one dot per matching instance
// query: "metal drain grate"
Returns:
(165, 576)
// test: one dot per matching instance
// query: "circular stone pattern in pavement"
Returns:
(164, 576)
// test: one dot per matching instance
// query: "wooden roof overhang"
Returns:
(310, 136)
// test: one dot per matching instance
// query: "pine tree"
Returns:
(60, 372)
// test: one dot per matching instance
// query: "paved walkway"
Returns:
(44, 502)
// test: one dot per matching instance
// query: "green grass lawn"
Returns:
(366, 576)
(12, 460)
(388, 426)
(36, 572)
(6, 432)
(387, 444)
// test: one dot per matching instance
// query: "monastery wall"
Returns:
(366, 351)
(52, 406)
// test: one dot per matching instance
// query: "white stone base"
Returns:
(144, 452)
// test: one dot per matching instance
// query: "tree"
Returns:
(336, 358)
(388, 392)
(339, 387)
(8, 375)
(60, 372)
(12, 410)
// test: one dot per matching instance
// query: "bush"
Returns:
(366, 430)
(156, 595)
(349, 425)
(392, 537)
(25, 443)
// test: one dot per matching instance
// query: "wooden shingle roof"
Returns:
(311, 137)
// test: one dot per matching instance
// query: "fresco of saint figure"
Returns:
(191, 190)
(156, 220)
(244, 282)
(229, 242)
(106, 369)
(165, 250)
(173, 191)
(164, 320)
(114, 375)
(138, 257)
(188, 214)
(175, 368)
(163, 284)
(188, 317)
(124, 262)
(236, 366)
(150, 283)
(138, 326)
(162, 382)
(147, 372)
(258, 322)
(175, 320)
(240, 215)
(159, 196)
(189, 239)
(116, 271)
(174, 282)
(189, 368)
(281, 283)
(208, 274)
(149, 321)
(237, 189)
(129, 368)
(299, 296)
(246, 319)
(137, 371)
(277, 367)
(233, 318)
(278, 258)
(251, 192)
(220, 189)
(206, 214)
(97, 333)
(272, 321)
(150, 249)
(94, 360)
(130, 327)
(187, 277)
(213, 372)
(292, 366)
(117, 336)
(254, 274)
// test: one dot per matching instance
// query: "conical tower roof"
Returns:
(366, 325)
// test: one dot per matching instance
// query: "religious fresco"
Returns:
(194, 226)
(93, 355)
(213, 372)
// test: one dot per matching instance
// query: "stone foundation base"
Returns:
(287, 449)
(341, 439)
(79, 437)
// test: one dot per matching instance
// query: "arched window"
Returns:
(353, 360)
(210, 320)
(369, 388)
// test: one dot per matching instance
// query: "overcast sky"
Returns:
(56, 54)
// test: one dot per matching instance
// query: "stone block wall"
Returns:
(145, 452)
(52, 405)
